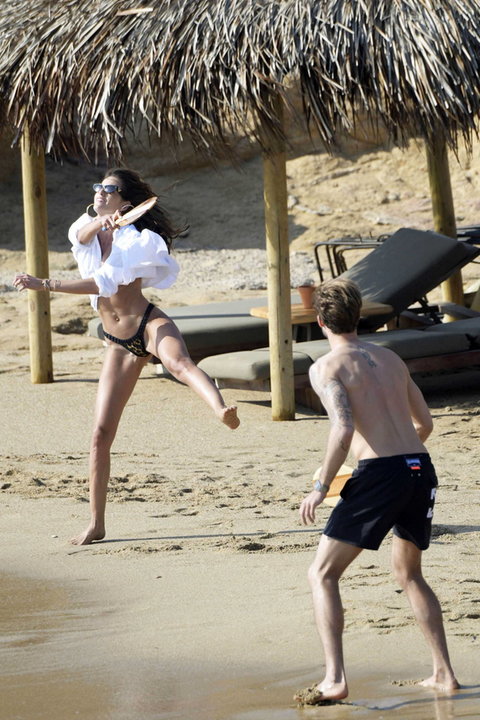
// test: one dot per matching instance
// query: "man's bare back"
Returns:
(382, 399)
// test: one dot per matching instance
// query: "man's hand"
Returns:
(308, 505)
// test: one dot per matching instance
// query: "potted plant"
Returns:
(306, 290)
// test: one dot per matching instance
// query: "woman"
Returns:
(115, 264)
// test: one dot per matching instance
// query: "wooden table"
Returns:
(302, 316)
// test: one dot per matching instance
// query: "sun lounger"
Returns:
(401, 271)
(214, 327)
(405, 267)
(437, 350)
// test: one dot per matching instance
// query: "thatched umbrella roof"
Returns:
(80, 75)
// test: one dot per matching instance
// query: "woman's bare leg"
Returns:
(118, 377)
(166, 343)
(407, 568)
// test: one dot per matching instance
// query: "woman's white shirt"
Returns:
(134, 255)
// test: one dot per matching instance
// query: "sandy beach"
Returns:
(196, 606)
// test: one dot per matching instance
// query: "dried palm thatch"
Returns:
(414, 64)
(79, 74)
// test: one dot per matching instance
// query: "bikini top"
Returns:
(134, 255)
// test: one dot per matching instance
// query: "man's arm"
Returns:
(335, 400)
(419, 411)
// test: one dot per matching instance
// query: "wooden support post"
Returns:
(278, 264)
(36, 247)
(443, 209)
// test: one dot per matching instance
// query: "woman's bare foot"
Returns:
(228, 415)
(321, 694)
(443, 682)
(91, 534)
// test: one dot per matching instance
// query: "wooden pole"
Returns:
(443, 209)
(36, 248)
(278, 266)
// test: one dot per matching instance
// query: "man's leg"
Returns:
(407, 568)
(331, 560)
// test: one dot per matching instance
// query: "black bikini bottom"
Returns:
(135, 344)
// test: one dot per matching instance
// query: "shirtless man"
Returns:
(377, 412)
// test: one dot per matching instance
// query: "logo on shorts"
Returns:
(413, 463)
(432, 498)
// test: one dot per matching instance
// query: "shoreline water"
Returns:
(206, 629)
(66, 655)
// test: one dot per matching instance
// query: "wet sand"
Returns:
(164, 624)
(65, 657)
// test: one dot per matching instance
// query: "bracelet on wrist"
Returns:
(320, 487)
(47, 284)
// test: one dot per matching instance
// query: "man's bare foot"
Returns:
(442, 682)
(228, 415)
(322, 694)
(90, 535)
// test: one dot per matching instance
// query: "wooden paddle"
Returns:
(136, 212)
(333, 495)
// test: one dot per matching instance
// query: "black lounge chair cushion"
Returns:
(254, 365)
(249, 365)
(408, 265)
(470, 327)
(213, 324)
(406, 343)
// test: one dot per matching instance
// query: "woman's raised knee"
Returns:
(178, 366)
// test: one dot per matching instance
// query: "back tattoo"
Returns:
(364, 353)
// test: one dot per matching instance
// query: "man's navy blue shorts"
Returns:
(383, 493)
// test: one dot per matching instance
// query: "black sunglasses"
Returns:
(107, 188)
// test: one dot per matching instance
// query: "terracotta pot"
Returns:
(306, 294)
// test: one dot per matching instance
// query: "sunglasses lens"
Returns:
(106, 188)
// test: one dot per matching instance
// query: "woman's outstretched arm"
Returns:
(87, 286)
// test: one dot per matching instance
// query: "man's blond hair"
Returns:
(338, 302)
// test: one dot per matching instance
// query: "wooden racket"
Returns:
(333, 495)
(136, 212)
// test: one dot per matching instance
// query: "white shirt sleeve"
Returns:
(83, 220)
(136, 255)
(87, 255)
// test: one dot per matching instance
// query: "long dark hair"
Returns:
(135, 191)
